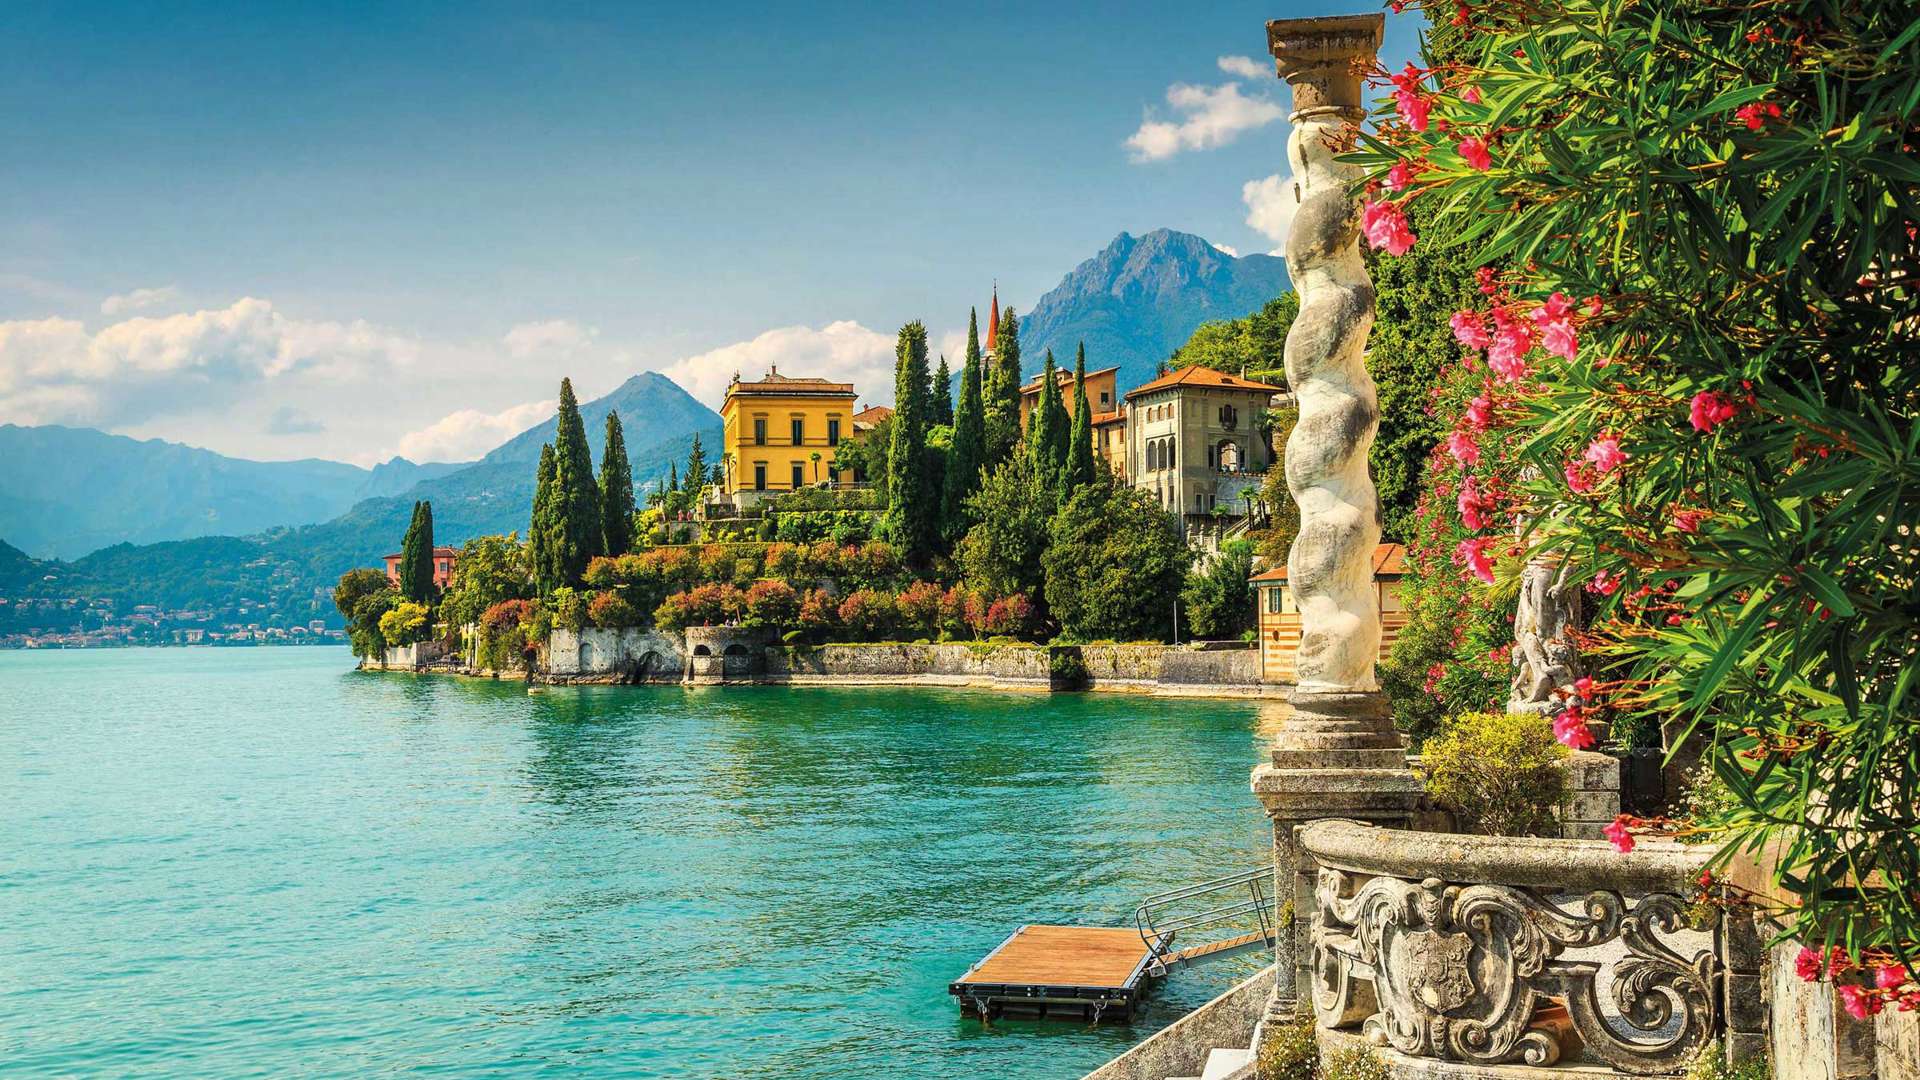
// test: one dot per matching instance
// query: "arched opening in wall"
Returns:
(735, 649)
(702, 650)
(736, 661)
(585, 657)
(642, 668)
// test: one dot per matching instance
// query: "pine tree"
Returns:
(540, 530)
(616, 491)
(942, 393)
(576, 496)
(911, 518)
(1081, 466)
(964, 458)
(1001, 390)
(416, 556)
(696, 467)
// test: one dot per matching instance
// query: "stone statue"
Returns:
(1544, 656)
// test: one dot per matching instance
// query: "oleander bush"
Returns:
(1696, 231)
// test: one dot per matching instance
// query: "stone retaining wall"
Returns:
(1157, 669)
(1181, 1048)
(596, 655)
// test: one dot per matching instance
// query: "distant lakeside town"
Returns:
(83, 623)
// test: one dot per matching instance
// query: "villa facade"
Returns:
(1193, 440)
(444, 560)
(780, 433)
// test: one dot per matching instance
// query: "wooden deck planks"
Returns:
(1086, 956)
(1212, 947)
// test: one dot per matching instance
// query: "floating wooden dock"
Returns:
(1059, 970)
(1105, 973)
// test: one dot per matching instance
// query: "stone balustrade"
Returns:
(1453, 954)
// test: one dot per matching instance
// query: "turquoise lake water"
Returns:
(258, 862)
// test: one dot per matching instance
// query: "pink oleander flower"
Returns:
(1474, 152)
(1484, 279)
(1570, 727)
(1859, 1002)
(1385, 226)
(1472, 554)
(1512, 340)
(1605, 453)
(1464, 450)
(1756, 114)
(1604, 583)
(1480, 412)
(1402, 174)
(1474, 504)
(1688, 521)
(1413, 107)
(1471, 95)
(1890, 977)
(1470, 329)
(1710, 409)
(1579, 476)
(1583, 686)
(1555, 320)
(1618, 835)
(1809, 963)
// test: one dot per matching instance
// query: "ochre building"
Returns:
(780, 433)
(1280, 615)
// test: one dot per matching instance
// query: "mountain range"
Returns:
(172, 525)
(1141, 298)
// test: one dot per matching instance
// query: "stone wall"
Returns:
(1181, 1048)
(1593, 795)
(618, 656)
(1146, 668)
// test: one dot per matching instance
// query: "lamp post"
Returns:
(1336, 753)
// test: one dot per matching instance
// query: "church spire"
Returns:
(993, 318)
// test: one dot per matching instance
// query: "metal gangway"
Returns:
(1228, 914)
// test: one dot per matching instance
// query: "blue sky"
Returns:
(227, 224)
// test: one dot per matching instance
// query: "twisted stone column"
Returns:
(1336, 755)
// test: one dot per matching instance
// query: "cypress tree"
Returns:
(910, 520)
(416, 556)
(1081, 466)
(943, 393)
(696, 467)
(1001, 389)
(540, 530)
(1046, 431)
(673, 476)
(616, 491)
(969, 435)
(576, 496)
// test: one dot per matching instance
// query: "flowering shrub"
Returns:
(869, 614)
(1704, 345)
(507, 615)
(705, 605)
(919, 609)
(613, 611)
(1009, 616)
(770, 605)
(818, 612)
(1501, 775)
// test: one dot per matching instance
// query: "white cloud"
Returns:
(1246, 67)
(544, 338)
(139, 300)
(289, 420)
(1271, 203)
(470, 433)
(1229, 249)
(843, 351)
(55, 371)
(1210, 116)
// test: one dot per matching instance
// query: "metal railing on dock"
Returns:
(1242, 903)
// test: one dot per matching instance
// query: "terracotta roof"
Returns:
(1202, 376)
(1061, 375)
(872, 414)
(440, 552)
(1114, 417)
(776, 383)
(1389, 561)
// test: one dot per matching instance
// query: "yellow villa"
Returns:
(780, 433)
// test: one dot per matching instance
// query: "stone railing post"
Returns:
(1336, 755)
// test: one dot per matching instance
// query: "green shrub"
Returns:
(1067, 668)
(405, 624)
(1354, 1063)
(613, 611)
(569, 608)
(1501, 774)
(1711, 1064)
(1289, 1051)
